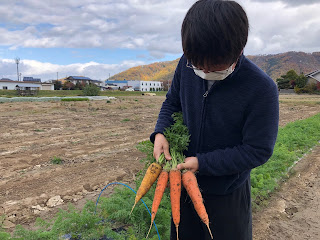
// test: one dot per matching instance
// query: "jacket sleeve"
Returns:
(259, 133)
(171, 105)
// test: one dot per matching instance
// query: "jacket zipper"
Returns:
(203, 113)
(202, 118)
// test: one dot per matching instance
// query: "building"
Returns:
(83, 80)
(151, 86)
(116, 85)
(24, 85)
(137, 85)
(314, 77)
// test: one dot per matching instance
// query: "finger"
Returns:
(181, 166)
(156, 153)
(166, 152)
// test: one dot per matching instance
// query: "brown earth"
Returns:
(97, 141)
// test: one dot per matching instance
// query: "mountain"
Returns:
(274, 65)
(159, 71)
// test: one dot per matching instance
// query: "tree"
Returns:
(57, 85)
(68, 86)
(80, 85)
(91, 90)
(288, 80)
(301, 81)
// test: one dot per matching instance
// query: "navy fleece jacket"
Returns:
(233, 125)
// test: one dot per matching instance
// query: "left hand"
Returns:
(190, 163)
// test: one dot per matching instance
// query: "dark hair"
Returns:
(214, 32)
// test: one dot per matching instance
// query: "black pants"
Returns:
(229, 215)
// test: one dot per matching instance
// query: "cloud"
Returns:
(151, 27)
(47, 71)
(291, 2)
(132, 24)
(282, 28)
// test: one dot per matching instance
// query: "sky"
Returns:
(100, 38)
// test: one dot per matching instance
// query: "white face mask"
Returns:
(217, 75)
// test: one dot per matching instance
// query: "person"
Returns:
(231, 109)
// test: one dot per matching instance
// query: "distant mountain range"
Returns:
(274, 65)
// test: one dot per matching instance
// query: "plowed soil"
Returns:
(96, 144)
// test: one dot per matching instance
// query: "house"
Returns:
(24, 85)
(83, 80)
(138, 85)
(314, 77)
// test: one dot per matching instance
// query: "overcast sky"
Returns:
(98, 38)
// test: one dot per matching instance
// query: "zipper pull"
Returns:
(205, 94)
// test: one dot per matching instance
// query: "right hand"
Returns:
(161, 145)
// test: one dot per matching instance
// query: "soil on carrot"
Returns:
(55, 153)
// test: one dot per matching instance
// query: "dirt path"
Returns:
(294, 211)
(97, 141)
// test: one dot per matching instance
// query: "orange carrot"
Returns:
(160, 188)
(190, 183)
(175, 194)
(149, 178)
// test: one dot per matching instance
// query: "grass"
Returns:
(112, 216)
(56, 160)
(294, 140)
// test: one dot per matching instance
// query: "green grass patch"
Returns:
(125, 120)
(56, 160)
(294, 140)
(70, 99)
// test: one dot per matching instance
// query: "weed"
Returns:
(39, 130)
(56, 160)
(125, 120)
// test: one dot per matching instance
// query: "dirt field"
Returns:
(97, 140)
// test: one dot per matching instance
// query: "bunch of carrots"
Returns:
(166, 171)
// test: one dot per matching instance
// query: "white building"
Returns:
(14, 85)
(151, 86)
(137, 85)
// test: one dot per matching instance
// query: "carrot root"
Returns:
(158, 194)
(149, 178)
(190, 183)
(175, 194)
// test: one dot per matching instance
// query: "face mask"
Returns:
(217, 75)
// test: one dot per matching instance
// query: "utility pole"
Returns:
(17, 62)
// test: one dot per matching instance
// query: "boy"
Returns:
(231, 109)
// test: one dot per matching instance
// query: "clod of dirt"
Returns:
(54, 201)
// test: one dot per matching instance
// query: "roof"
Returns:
(31, 79)
(78, 78)
(312, 73)
(116, 81)
(20, 82)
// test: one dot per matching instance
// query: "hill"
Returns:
(159, 71)
(274, 65)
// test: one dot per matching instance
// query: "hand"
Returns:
(161, 145)
(190, 163)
